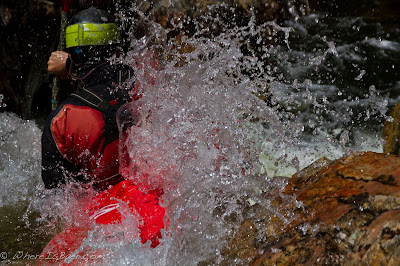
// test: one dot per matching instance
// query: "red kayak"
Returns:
(112, 206)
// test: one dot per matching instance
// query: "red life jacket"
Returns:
(79, 133)
(80, 139)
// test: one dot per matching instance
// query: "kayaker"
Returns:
(80, 138)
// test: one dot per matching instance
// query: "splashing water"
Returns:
(215, 126)
(19, 158)
(196, 140)
(207, 139)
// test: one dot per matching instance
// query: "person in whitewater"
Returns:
(80, 138)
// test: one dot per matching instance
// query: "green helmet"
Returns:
(91, 26)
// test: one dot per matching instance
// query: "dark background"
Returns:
(29, 32)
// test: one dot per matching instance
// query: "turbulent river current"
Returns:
(218, 124)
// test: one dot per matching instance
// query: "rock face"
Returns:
(391, 132)
(347, 212)
(28, 30)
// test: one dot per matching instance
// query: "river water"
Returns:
(329, 84)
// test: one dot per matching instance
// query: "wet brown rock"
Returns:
(343, 212)
(264, 10)
(391, 133)
(243, 248)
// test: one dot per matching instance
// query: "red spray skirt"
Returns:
(109, 207)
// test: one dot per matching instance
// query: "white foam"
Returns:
(20, 158)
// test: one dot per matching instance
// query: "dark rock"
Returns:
(385, 12)
(26, 32)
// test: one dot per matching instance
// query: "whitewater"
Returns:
(223, 126)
